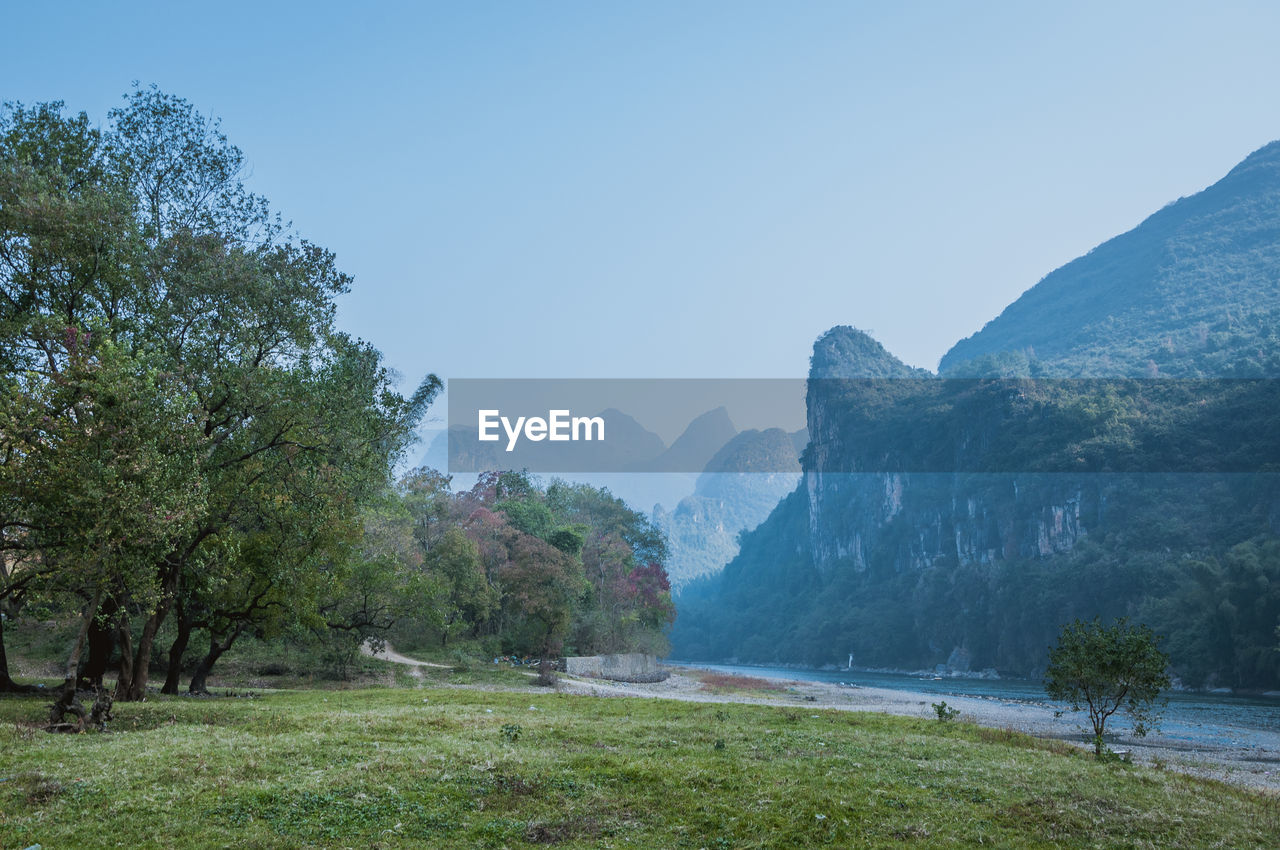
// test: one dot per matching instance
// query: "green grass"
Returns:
(449, 767)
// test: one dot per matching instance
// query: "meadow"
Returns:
(478, 759)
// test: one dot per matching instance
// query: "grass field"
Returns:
(464, 767)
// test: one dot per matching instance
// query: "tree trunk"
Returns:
(133, 687)
(67, 702)
(7, 685)
(546, 668)
(201, 675)
(125, 636)
(102, 643)
(177, 650)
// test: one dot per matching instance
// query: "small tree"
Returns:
(1105, 669)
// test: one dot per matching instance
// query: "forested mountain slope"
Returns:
(961, 522)
(1193, 290)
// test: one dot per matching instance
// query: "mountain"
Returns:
(636, 446)
(1191, 291)
(691, 451)
(957, 523)
(846, 352)
(729, 498)
(435, 455)
(758, 452)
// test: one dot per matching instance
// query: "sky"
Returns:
(674, 189)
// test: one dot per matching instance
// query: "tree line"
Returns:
(529, 569)
(191, 450)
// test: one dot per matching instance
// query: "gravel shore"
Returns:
(1256, 767)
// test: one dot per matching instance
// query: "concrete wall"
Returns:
(633, 667)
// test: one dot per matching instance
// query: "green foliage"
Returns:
(945, 712)
(206, 437)
(1105, 669)
(1048, 425)
(846, 352)
(101, 469)
(1219, 615)
(184, 431)
(537, 571)
(471, 599)
(529, 516)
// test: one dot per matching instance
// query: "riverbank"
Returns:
(1252, 763)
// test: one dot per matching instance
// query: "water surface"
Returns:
(1228, 720)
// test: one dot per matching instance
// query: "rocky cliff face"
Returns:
(960, 522)
(910, 521)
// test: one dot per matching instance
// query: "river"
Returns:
(1220, 720)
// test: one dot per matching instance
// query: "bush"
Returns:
(944, 711)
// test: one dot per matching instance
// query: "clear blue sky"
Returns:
(659, 189)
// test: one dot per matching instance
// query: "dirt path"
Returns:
(388, 653)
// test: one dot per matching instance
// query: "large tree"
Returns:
(105, 471)
(144, 235)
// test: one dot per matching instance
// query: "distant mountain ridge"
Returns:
(1194, 290)
(627, 446)
(699, 442)
(703, 528)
